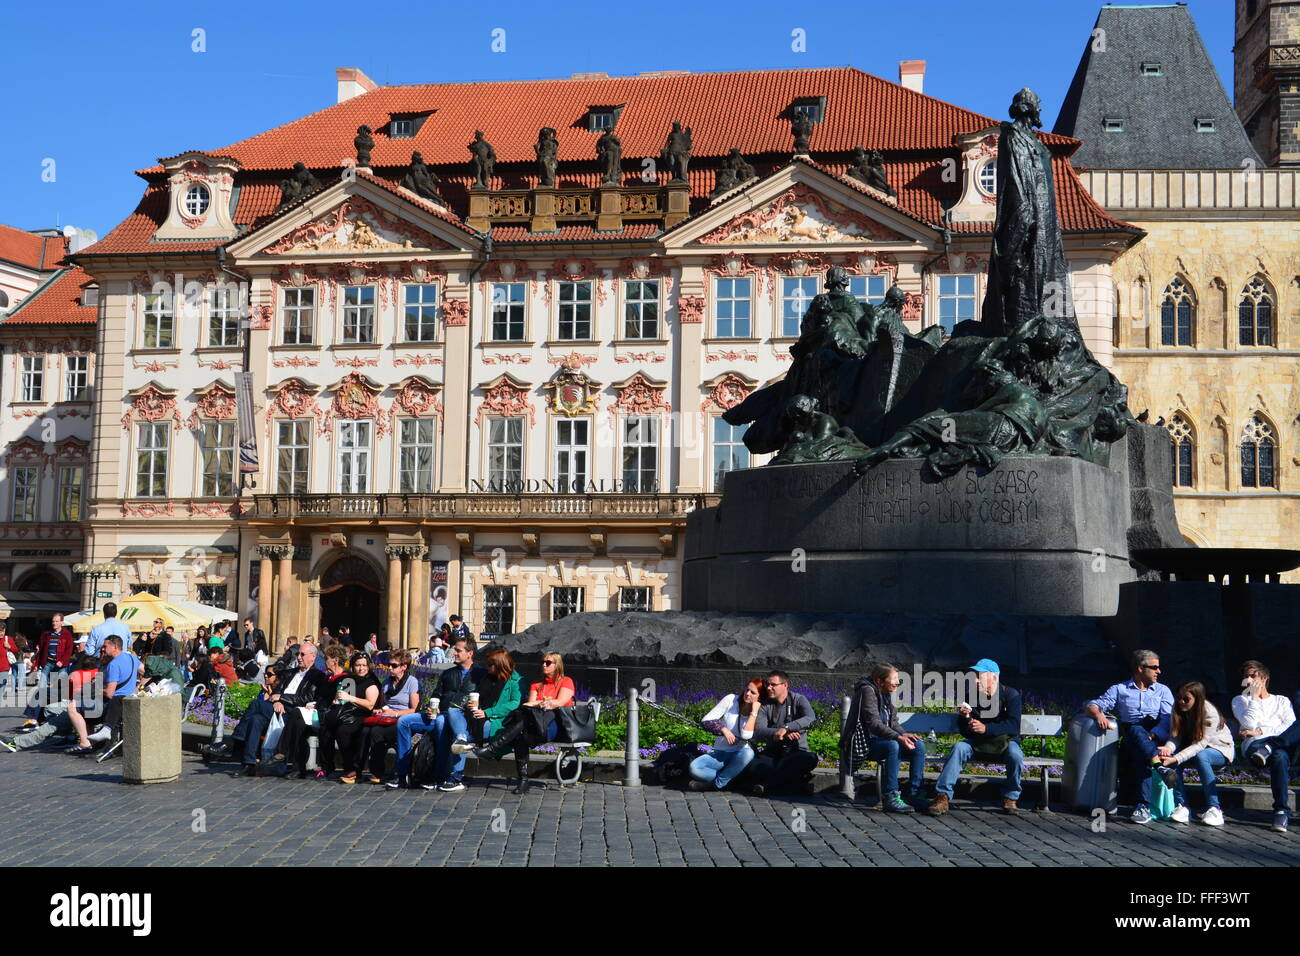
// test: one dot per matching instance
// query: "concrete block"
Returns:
(151, 735)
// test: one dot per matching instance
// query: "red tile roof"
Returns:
(746, 109)
(38, 253)
(56, 302)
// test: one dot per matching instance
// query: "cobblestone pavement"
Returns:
(273, 822)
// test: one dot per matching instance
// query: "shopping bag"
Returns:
(1162, 798)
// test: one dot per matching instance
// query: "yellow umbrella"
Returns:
(139, 611)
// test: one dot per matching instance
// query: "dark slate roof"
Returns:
(1159, 112)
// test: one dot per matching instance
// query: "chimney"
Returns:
(911, 74)
(352, 82)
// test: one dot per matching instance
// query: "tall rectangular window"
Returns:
(218, 453)
(505, 454)
(31, 385)
(565, 601)
(796, 295)
(729, 451)
(508, 311)
(71, 478)
(575, 311)
(641, 309)
(868, 289)
(159, 322)
(415, 455)
(26, 479)
(732, 304)
(354, 458)
(292, 451)
(358, 314)
(299, 316)
(956, 300)
(420, 313)
(571, 454)
(634, 599)
(498, 612)
(641, 454)
(77, 377)
(151, 448)
(223, 318)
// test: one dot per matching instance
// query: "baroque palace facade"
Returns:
(490, 380)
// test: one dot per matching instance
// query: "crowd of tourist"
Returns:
(324, 690)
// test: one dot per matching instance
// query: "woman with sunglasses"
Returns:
(401, 695)
(520, 730)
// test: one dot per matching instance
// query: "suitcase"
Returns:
(1091, 765)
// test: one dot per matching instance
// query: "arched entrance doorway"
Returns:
(349, 594)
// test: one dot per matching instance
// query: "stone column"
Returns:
(417, 606)
(265, 591)
(393, 623)
(284, 588)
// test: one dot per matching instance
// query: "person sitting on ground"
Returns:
(1263, 717)
(1200, 736)
(308, 689)
(499, 696)
(521, 730)
(733, 719)
(1144, 707)
(401, 695)
(358, 699)
(120, 678)
(256, 723)
(993, 734)
(784, 717)
(881, 737)
(63, 717)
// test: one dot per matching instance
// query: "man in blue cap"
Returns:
(990, 732)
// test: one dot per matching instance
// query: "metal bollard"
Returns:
(846, 752)
(632, 751)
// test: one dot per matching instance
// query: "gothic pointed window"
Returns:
(1255, 313)
(1177, 315)
(1183, 450)
(1258, 454)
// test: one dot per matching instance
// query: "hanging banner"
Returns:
(247, 428)
(437, 595)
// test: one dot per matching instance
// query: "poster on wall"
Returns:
(254, 589)
(437, 596)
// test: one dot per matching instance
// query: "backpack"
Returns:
(424, 758)
(673, 765)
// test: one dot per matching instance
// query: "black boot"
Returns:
(501, 744)
(521, 768)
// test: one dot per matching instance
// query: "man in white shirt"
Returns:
(1264, 718)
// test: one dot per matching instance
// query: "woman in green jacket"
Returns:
(499, 694)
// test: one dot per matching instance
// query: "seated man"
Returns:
(995, 737)
(1144, 707)
(120, 678)
(450, 725)
(783, 722)
(308, 687)
(62, 718)
(1268, 735)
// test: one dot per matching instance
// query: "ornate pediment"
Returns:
(355, 225)
(800, 215)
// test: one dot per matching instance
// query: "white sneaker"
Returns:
(1212, 817)
(100, 735)
(1181, 814)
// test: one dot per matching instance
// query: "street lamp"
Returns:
(95, 572)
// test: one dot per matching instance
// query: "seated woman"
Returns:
(260, 719)
(882, 737)
(401, 695)
(733, 720)
(1200, 737)
(341, 726)
(522, 730)
(499, 696)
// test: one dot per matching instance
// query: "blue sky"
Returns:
(105, 88)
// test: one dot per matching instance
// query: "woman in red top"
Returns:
(520, 729)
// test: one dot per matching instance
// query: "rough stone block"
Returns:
(151, 735)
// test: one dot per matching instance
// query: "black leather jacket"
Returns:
(314, 689)
(454, 685)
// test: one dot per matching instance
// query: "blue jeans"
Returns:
(1205, 762)
(17, 676)
(1279, 768)
(1135, 753)
(889, 753)
(962, 752)
(451, 726)
(722, 766)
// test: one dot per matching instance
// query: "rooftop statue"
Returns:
(364, 143)
(421, 180)
(869, 168)
(547, 149)
(732, 172)
(485, 161)
(801, 128)
(1020, 381)
(609, 150)
(676, 154)
(300, 183)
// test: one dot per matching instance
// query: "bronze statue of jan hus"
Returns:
(485, 161)
(676, 154)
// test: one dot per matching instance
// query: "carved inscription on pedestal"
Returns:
(1006, 496)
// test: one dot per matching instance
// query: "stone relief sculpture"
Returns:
(1019, 381)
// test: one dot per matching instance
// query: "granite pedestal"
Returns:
(151, 739)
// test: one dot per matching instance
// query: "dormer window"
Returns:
(1204, 124)
(401, 129)
(90, 296)
(602, 118)
(1152, 69)
(814, 107)
(196, 200)
(1112, 124)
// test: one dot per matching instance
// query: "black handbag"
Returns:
(577, 724)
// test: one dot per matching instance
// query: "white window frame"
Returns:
(287, 481)
(401, 129)
(805, 290)
(734, 440)
(223, 318)
(156, 454)
(571, 455)
(956, 296)
(860, 287)
(76, 378)
(635, 444)
(504, 303)
(498, 445)
(293, 312)
(986, 177)
(359, 315)
(27, 480)
(425, 312)
(409, 447)
(569, 306)
(197, 200)
(217, 459)
(158, 325)
(353, 440)
(635, 307)
(31, 378)
(732, 300)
